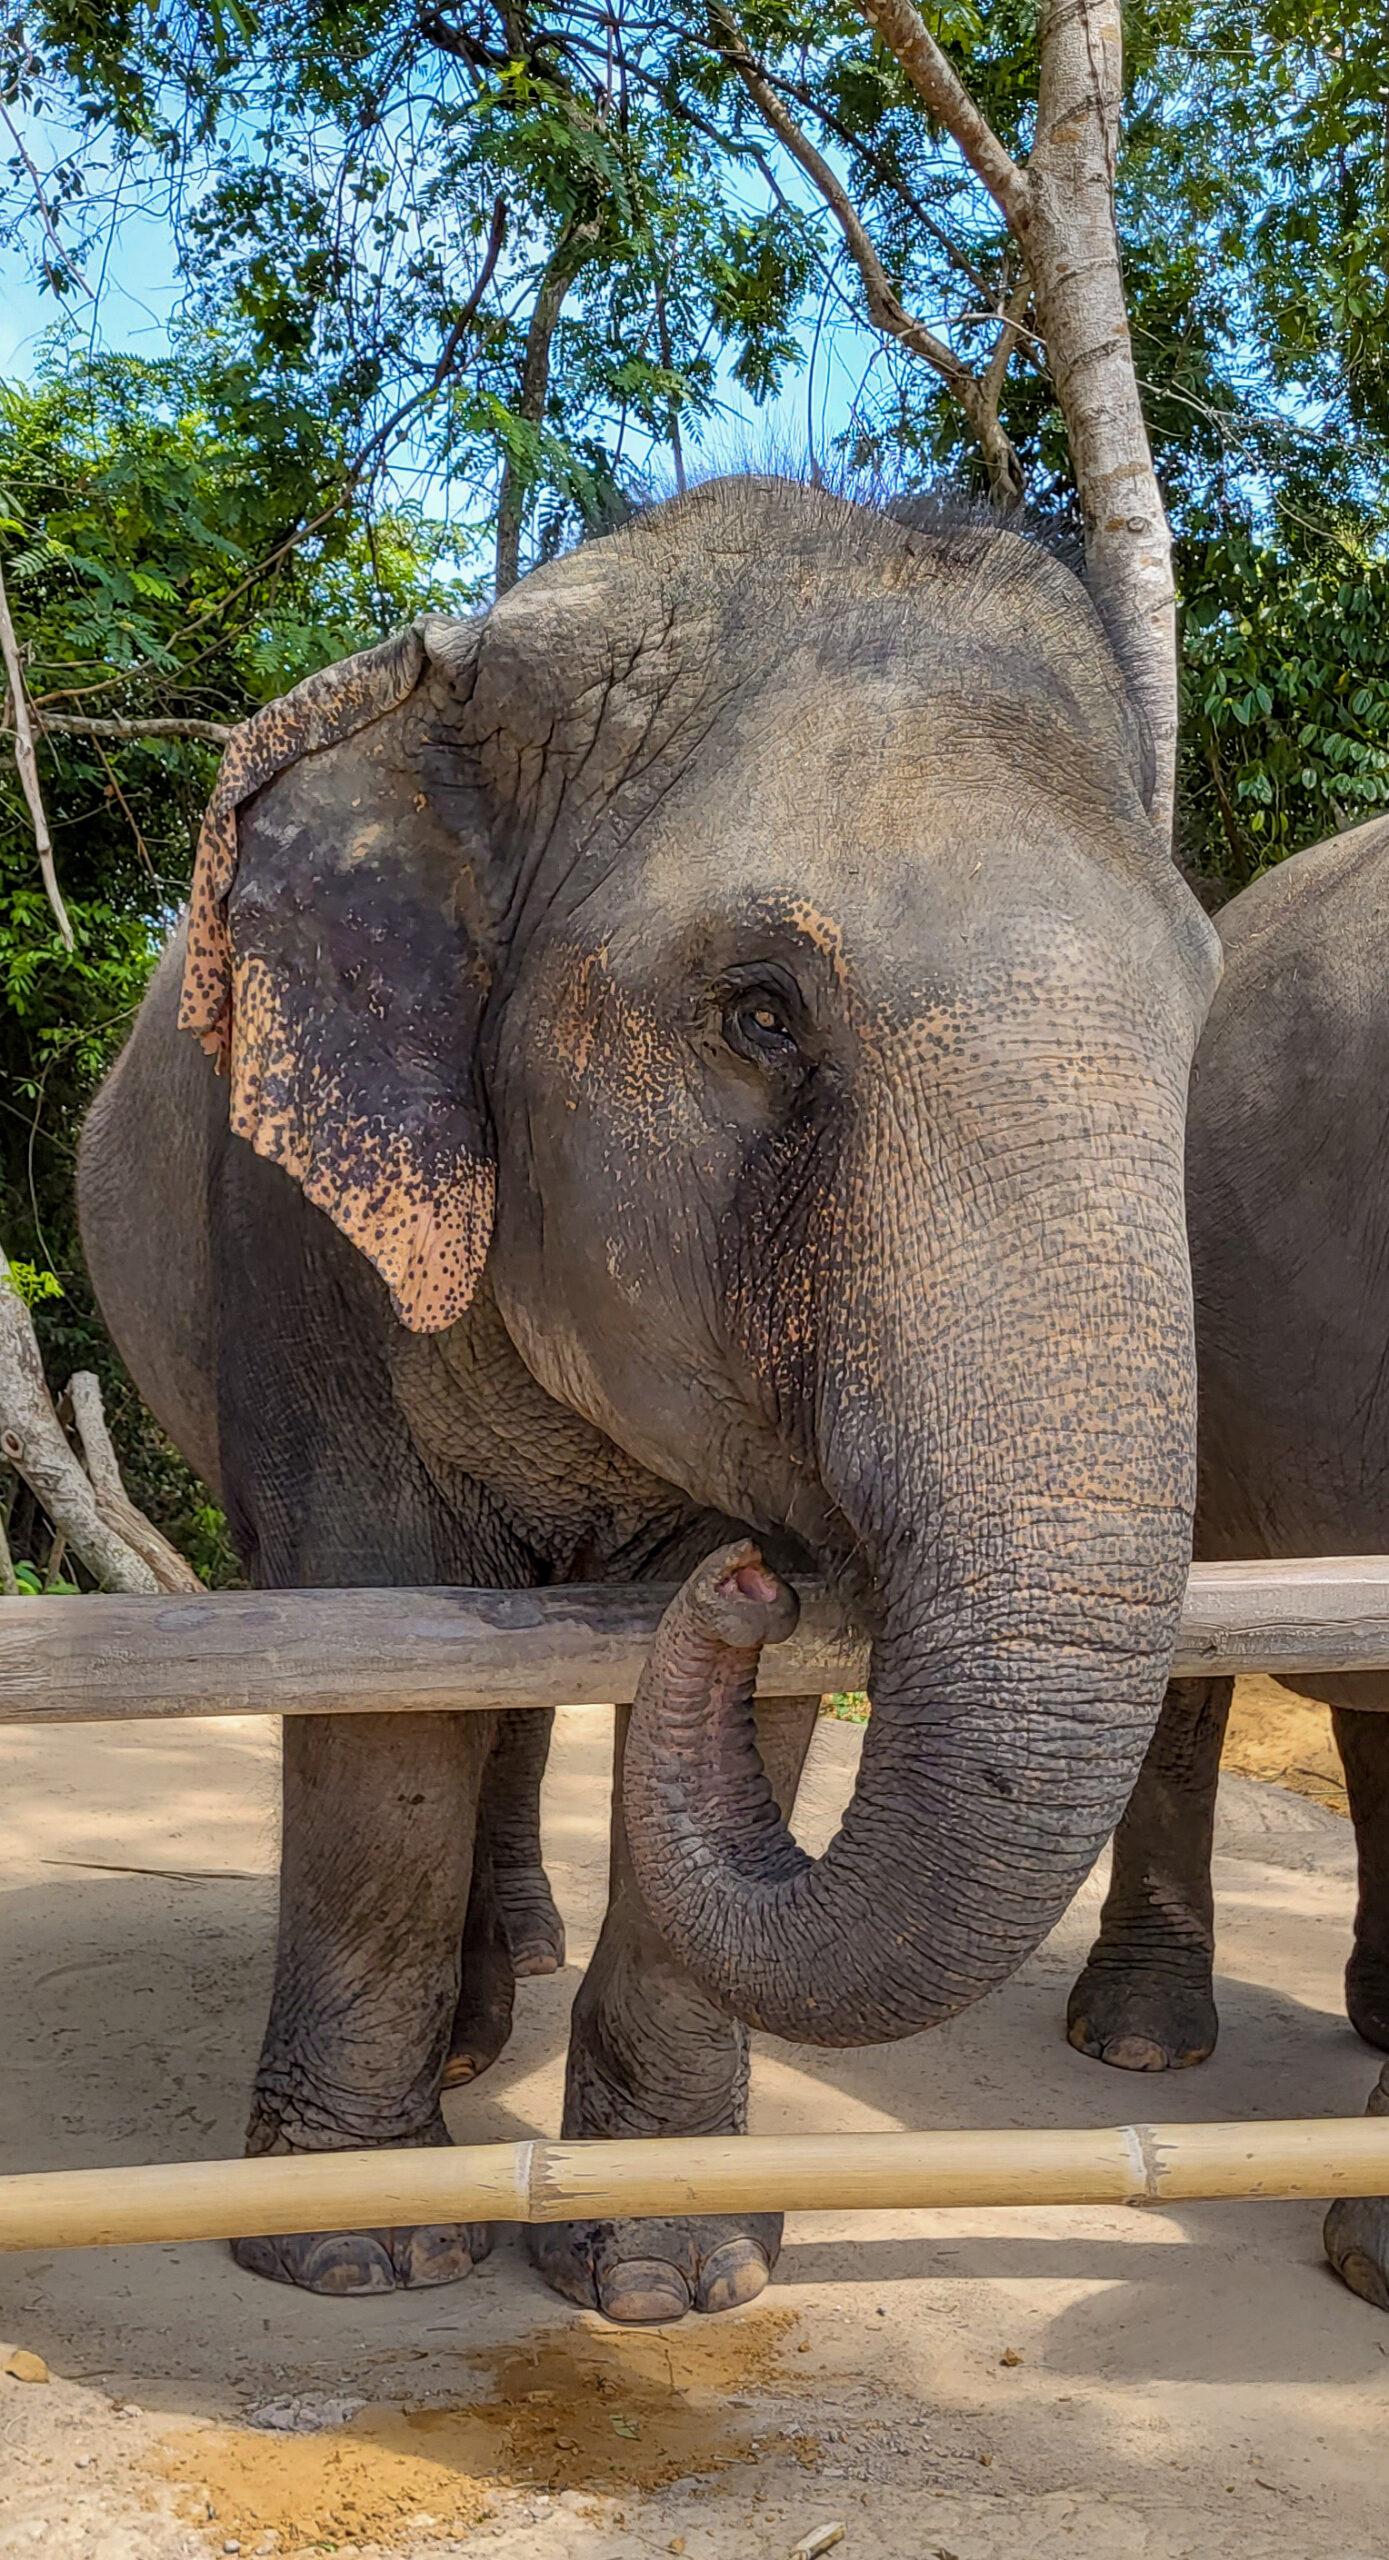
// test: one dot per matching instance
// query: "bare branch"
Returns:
(28, 764)
(171, 1571)
(32, 1439)
(63, 257)
(882, 171)
(941, 90)
(884, 307)
(207, 733)
(1011, 330)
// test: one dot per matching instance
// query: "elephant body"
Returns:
(1288, 1208)
(701, 1050)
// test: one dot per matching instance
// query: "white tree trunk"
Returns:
(1060, 209)
(1072, 251)
(171, 1571)
(32, 1439)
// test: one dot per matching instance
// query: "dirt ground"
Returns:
(1102, 2384)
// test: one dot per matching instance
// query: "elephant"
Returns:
(1288, 1212)
(690, 1062)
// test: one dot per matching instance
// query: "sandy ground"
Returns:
(1103, 2384)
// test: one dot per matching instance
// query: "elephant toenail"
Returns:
(262, 2258)
(433, 2253)
(642, 2291)
(736, 2272)
(1135, 2053)
(347, 2262)
(530, 1963)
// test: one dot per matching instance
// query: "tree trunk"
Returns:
(574, 246)
(33, 1440)
(1060, 209)
(171, 1571)
(1072, 250)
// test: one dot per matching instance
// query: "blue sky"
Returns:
(137, 291)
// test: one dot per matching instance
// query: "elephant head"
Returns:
(748, 943)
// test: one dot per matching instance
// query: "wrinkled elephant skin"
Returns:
(705, 1052)
(1288, 1189)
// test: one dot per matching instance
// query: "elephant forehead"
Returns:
(955, 892)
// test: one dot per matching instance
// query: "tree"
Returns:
(517, 259)
(137, 504)
(401, 210)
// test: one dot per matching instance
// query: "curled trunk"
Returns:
(983, 1798)
(998, 1399)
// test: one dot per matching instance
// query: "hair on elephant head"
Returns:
(748, 940)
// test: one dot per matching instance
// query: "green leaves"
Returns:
(139, 501)
(1285, 698)
(30, 1284)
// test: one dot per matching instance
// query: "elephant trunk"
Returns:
(1015, 1465)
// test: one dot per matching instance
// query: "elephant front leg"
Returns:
(1356, 2230)
(1145, 2000)
(1363, 1743)
(1355, 2233)
(650, 2053)
(379, 1816)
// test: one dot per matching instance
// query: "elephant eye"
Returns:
(756, 1026)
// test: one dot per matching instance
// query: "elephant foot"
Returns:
(368, 2261)
(1355, 2236)
(531, 1923)
(1367, 2000)
(407, 2259)
(1141, 2020)
(639, 2273)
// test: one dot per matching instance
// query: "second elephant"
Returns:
(1288, 1202)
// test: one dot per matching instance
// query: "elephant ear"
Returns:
(339, 941)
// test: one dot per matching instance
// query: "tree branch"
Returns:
(171, 1571)
(886, 176)
(355, 472)
(563, 265)
(45, 217)
(884, 307)
(1061, 211)
(1013, 314)
(32, 1439)
(28, 763)
(938, 84)
(1072, 249)
(208, 733)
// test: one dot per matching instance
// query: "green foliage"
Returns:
(136, 502)
(1285, 699)
(34, 1586)
(29, 1284)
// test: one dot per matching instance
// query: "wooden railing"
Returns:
(105, 1657)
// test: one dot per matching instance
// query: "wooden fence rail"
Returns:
(1140, 2164)
(104, 1657)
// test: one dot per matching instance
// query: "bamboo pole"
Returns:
(1142, 2164)
(107, 1656)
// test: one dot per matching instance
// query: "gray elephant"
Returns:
(706, 1051)
(1288, 1194)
